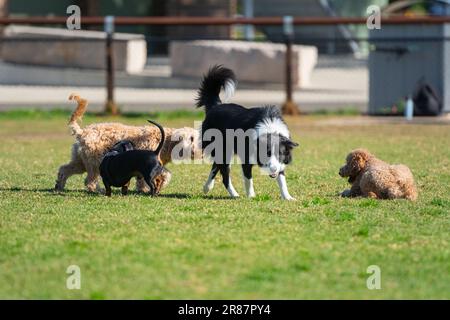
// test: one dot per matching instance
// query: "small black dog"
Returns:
(117, 168)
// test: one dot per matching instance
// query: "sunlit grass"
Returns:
(187, 245)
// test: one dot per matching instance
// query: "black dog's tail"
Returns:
(217, 78)
(163, 136)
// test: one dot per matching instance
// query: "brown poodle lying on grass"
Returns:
(373, 178)
(94, 141)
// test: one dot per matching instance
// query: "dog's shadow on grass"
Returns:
(69, 192)
(50, 191)
(19, 189)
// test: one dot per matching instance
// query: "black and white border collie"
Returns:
(268, 145)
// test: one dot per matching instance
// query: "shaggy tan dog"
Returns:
(373, 178)
(93, 141)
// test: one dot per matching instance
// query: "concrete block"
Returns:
(72, 48)
(252, 61)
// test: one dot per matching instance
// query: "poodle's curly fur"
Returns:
(93, 141)
(374, 178)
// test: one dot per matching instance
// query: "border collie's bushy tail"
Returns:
(163, 137)
(217, 78)
(77, 114)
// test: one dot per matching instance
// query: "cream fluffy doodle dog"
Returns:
(373, 178)
(93, 141)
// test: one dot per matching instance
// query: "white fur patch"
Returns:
(228, 90)
(273, 167)
(209, 185)
(272, 126)
(248, 184)
(232, 191)
(283, 188)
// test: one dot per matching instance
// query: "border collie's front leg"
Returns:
(225, 172)
(209, 184)
(281, 179)
(248, 180)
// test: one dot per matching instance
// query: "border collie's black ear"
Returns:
(291, 144)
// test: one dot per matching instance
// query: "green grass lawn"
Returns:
(185, 245)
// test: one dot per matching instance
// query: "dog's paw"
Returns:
(289, 198)
(208, 187)
(232, 192)
(345, 193)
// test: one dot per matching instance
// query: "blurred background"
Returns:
(333, 67)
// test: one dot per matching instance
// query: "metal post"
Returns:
(110, 106)
(248, 13)
(289, 107)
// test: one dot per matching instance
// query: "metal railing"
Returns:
(289, 107)
(225, 21)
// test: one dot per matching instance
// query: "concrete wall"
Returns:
(252, 61)
(72, 49)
